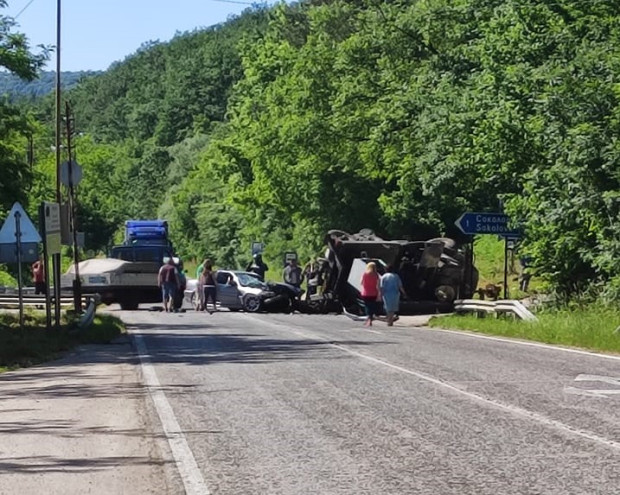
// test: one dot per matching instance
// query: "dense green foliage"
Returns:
(15, 57)
(397, 116)
(15, 88)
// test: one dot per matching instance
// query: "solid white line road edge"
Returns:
(183, 457)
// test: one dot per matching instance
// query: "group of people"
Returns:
(292, 274)
(375, 288)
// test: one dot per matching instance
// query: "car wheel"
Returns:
(251, 303)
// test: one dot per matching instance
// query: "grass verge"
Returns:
(591, 327)
(33, 344)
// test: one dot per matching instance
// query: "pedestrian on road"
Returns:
(169, 282)
(208, 283)
(38, 277)
(200, 287)
(370, 292)
(391, 287)
(178, 298)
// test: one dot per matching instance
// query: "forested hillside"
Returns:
(398, 116)
(14, 88)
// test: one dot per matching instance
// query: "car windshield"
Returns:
(247, 280)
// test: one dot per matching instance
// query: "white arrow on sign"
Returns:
(8, 232)
(602, 393)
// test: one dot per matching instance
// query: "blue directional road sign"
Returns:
(471, 223)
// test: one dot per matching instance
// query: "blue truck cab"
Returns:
(145, 241)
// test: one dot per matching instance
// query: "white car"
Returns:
(236, 290)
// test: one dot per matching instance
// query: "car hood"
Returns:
(252, 290)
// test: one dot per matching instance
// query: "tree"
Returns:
(15, 56)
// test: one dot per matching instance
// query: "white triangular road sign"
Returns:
(28, 231)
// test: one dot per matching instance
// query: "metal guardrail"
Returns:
(495, 307)
(87, 318)
(31, 300)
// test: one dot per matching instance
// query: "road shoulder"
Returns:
(82, 424)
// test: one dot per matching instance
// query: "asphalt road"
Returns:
(299, 404)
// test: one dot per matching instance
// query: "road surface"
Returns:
(301, 404)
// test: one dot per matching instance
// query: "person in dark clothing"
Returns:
(258, 266)
(208, 282)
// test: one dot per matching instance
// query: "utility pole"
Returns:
(72, 165)
(56, 257)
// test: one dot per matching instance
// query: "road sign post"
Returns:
(473, 223)
(257, 248)
(19, 244)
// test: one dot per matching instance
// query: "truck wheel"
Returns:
(129, 305)
(195, 301)
(251, 303)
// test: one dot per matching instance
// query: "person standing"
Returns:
(209, 286)
(258, 266)
(200, 287)
(168, 281)
(292, 274)
(311, 274)
(370, 292)
(178, 298)
(38, 277)
(391, 288)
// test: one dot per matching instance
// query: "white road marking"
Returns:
(598, 378)
(514, 410)
(601, 393)
(183, 456)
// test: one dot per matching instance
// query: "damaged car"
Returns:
(239, 290)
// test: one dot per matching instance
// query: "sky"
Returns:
(96, 33)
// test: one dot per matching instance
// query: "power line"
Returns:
(228, 1)
(22, 10)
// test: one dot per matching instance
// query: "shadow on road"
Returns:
(191, 344)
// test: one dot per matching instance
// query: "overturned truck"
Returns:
(435, 272)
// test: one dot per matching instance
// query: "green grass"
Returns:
(33, 344)
(489, 260)
(591, 327)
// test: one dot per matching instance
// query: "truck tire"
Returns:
(195, 302)
(129, 303)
